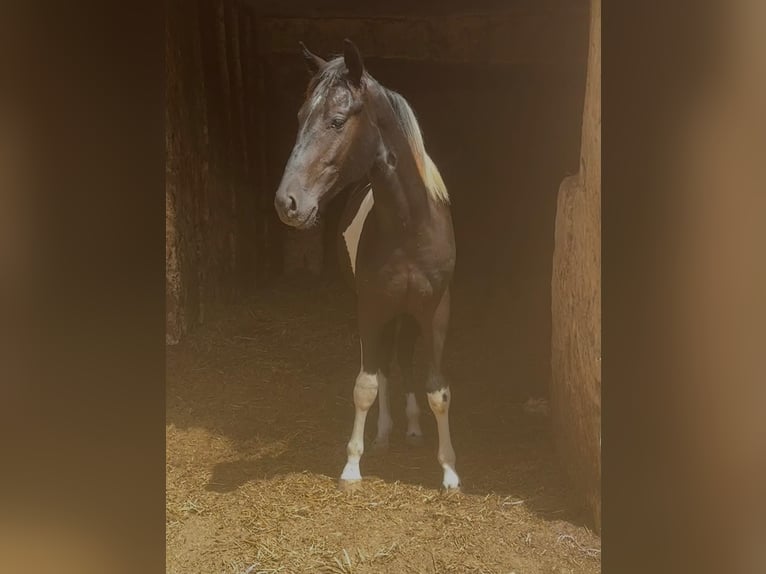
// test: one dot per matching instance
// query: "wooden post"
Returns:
(187, 148)
(576, 300)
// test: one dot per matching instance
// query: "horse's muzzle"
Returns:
(292, 213)
(286, 206)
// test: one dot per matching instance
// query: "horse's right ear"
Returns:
(313, 62)
(354, 62)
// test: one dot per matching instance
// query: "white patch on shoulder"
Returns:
(354, 231)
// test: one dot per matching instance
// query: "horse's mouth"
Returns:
(309, 221)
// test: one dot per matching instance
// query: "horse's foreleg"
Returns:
(439, 401)
(439, 396)
(365, 392)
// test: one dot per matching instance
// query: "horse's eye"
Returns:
(337, 123)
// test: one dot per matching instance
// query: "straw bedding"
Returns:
(258, 413)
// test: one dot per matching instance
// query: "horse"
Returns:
(397, 231)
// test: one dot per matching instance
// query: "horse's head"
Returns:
(337, 137)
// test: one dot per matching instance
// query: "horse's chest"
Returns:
(414, 269)
(352, 226)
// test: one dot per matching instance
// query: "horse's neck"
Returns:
(401, 198)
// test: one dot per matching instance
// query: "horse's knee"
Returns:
(365, 390)
(439, 400)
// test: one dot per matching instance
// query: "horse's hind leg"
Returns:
(385, 422)
(438, 390)
(405, 352)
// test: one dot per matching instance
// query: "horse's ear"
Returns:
(353, 60)
(313, 62)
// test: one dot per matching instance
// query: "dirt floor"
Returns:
(258, 414)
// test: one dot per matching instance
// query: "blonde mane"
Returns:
(427, 168)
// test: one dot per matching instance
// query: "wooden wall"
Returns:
(222, 235)
(219, 214)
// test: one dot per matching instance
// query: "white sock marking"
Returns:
(439, 403)
(413, 416)
(354, 231)
(365, 391)
(451, 479)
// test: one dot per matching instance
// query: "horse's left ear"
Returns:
(354, 62)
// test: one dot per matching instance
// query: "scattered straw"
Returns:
(258, 411)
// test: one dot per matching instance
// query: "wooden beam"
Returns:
(507, 38)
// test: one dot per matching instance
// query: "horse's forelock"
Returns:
(330, 75)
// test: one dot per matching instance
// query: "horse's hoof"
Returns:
(379, 447)
(350, 485)
(414, 440)
(451, 482)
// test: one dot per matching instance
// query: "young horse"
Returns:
(353, 132)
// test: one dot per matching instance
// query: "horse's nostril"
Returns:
(292, 205)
